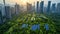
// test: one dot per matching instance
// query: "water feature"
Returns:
(46, 26)
(35, 27)
(24, 25)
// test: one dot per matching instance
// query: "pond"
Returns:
(35, 27)
(46, 26)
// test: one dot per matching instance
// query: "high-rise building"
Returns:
(4, 8)
(53, 8)
(12, 11)
(41, 6)
(33, 7)
(4, 2)
(37, 7)
(29, 7)
(58, 8)
(48, 7)
(17, 9)
(8, 12)
(45, 9)
(1, 18)
(2, 13)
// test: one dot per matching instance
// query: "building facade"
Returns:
(17, 9)
(37, 7)
(58, 8)
(53, 8)
(1, 17)
(41, 6)
(8, 12)
(48, 7)
(29, 7)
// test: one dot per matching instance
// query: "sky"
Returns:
(30, 1)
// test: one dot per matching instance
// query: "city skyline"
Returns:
(29, 17)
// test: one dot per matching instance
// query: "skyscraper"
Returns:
(17, 9)
(4, 19)
(2, 13)
(58, 7)
(48, 7)
(41, 6)
(12, 11)
(37, 7)
(53, 8)
(33, 7)
(1, 18)
(8, 12)
(29, 7)
(4, 8)
(4, 2)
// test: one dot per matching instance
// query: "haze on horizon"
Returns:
(23, 2)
